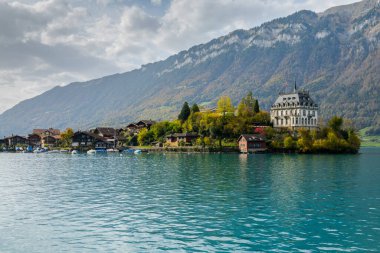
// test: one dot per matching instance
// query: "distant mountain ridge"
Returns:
(334, 54)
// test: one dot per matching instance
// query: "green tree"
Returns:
(335, 123)
(159, 130)
(185, 112)
(256, 107)
(353, 140)
(195, 108)
(289, 143)
(224, 105)
(262, 117)
(217, 130)
(246, 106)
(145, 137)
(67, 137)
(305, 142)
(174, 127)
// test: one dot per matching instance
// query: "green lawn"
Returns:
(369, 140)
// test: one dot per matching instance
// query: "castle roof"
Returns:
(298, 98)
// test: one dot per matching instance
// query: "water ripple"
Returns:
(189, 203)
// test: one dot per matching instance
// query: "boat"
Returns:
(40, 150)
(91, 152)
(74, 152)
(137, 151)
(53, 151)
(100, 150)
(112, 150)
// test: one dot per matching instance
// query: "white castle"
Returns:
(294, 110)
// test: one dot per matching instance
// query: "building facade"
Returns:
(251, 143)
(175, 140)
(294, 110)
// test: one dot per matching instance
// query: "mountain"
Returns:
(334, 54)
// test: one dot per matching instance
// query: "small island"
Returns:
(293, 125)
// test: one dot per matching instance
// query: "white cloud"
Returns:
(44, 43)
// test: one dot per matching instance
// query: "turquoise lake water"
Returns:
(190, 203)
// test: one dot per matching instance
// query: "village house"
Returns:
(135, 127)
(120, 137)
(145, 124)
(47, 132)
(132, 128)
(294, 110)
(15, 140)
(90, 140)
(34, 140)
(251, 143)
(48, 137)
(178, 139)
(105, 132)
(50, 141)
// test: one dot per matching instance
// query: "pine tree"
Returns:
(185, 112)
(195, 108)
(256, 107)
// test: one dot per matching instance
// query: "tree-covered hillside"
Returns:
(335, 54)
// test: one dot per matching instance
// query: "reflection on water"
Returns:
(189, 202)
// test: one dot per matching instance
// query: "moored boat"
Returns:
(91, 152)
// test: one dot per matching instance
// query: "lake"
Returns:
(190, 202)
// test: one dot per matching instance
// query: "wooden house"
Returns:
(50, 141)
(34, 140)
(135, 127)
(132, 127)
(47, 132)
(252, 143)
(48, 137)
(90, 140)
(15, 140)
(105, 132)
(120, 137)
(145, 124)
(177, 139)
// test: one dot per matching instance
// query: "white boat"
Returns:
(53, 151)
(137, 151)
(74, 152)
(91, 152)
(112, 150)
(40, 150)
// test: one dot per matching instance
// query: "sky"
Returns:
(48, 43)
